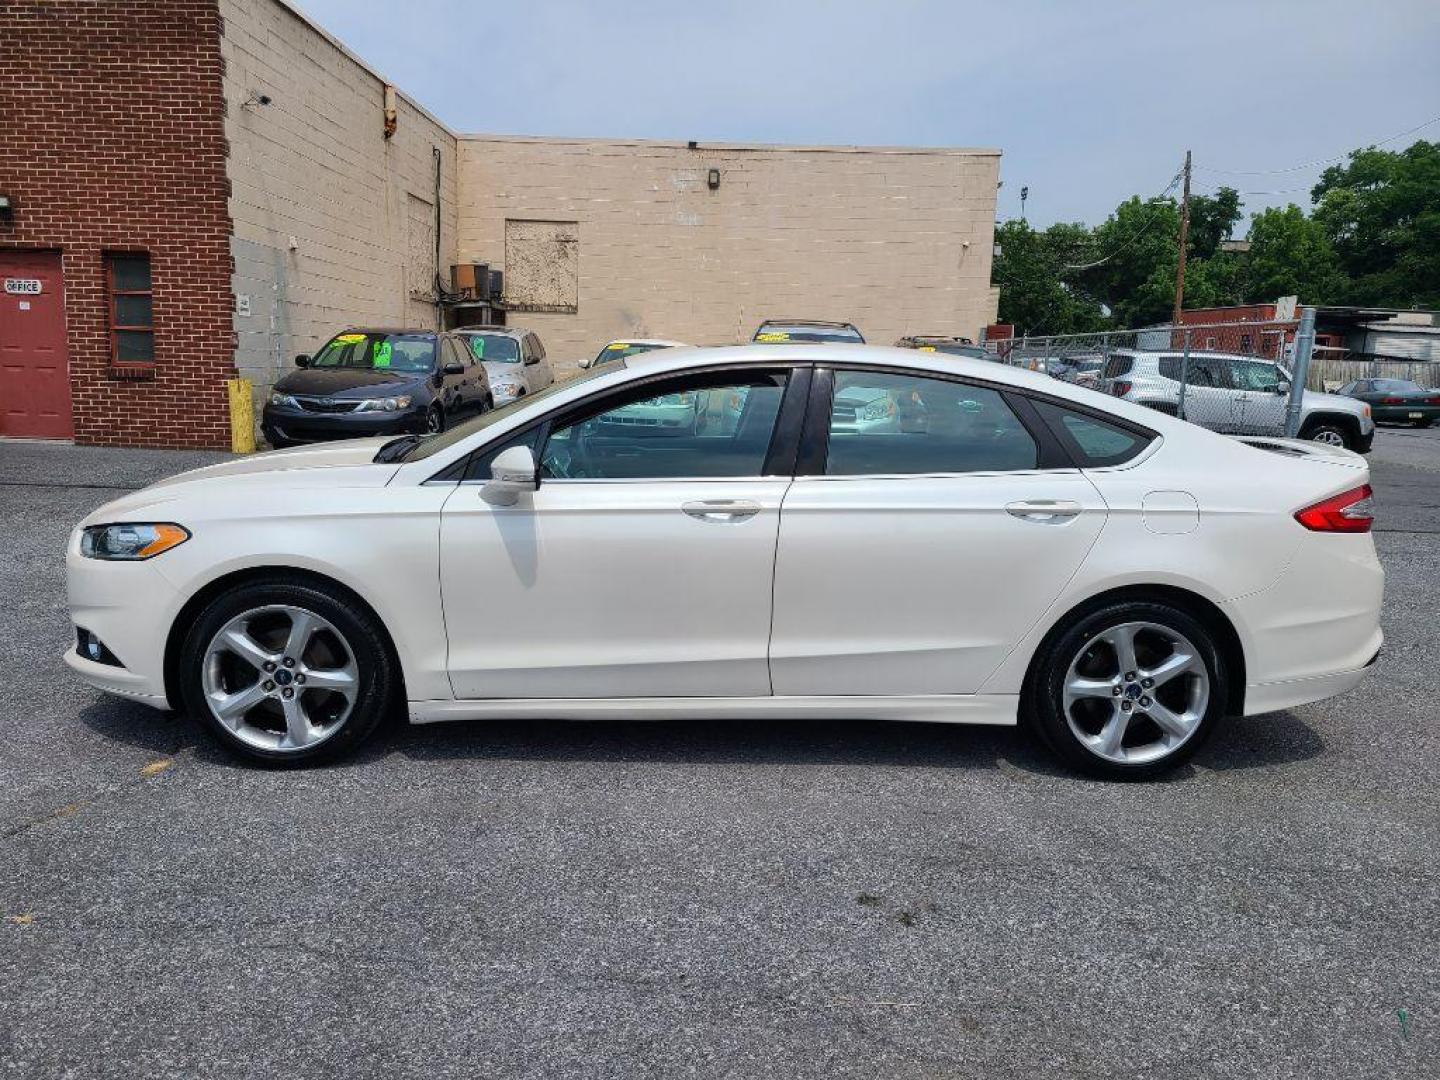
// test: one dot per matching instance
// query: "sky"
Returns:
(1090, 101)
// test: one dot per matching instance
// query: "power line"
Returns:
(1312, 164)
(1135, 236)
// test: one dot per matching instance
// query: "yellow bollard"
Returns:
(242, 416)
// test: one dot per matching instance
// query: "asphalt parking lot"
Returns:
(688, 899)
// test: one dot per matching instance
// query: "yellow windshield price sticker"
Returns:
(927, 348)
(772, 336)
(618, 346)
(349, 339)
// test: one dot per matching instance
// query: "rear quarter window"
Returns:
(1093, 443)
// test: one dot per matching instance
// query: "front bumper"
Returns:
(285, 425)
(128, 606)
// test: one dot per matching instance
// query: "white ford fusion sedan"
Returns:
(1002, 548)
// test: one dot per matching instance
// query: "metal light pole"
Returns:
(1304, 347)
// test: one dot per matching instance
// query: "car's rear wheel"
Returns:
(1129, 692)
(287, 672)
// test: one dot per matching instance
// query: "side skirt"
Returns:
(942, 709)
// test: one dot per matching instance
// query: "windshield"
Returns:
(618, 350)
(377, 352)
(433, 444)
(493, 348)
(1396, 386)
(769, 332)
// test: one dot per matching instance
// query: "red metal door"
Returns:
(34, 370)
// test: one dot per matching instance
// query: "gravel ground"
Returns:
(741, 899)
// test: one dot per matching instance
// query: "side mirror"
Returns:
(511, 473)
(453, 369)
(303, 360)
(1283, 386)
(585, 363)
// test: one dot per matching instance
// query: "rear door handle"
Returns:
(1044, 511)
(721, 511)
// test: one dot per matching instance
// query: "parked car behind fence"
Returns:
(1235, 378)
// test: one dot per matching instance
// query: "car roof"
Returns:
(498, 331)
(1155, 354)
(646, 341)
(386, 330)
(810, 322)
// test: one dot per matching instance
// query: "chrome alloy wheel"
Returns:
(280, 677)
(1136, 693)
(1328, 436)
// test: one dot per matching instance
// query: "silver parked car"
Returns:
(1239, 395)
(513, 358)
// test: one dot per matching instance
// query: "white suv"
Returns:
(1239, 395)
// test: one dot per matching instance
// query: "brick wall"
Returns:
(111, 138)
(896, 240)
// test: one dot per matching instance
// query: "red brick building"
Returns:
(114, 250)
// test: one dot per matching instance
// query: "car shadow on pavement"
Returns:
(1268, 741)
(1261, 742)
(139, 726)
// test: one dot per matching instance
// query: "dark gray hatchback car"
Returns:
(376, 381)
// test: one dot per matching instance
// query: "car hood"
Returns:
(346, 382)
(350, 463)
(1316, 400)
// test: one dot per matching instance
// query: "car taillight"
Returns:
(1120, 388)
(1392, 401)
(1432, 400)
(1350, 512)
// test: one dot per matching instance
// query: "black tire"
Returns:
(1042, 705)
(435, 420)
(379, 681)
(1319, 432)
(1423, 423)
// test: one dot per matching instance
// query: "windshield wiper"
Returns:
(396, 449)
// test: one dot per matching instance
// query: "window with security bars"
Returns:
(132, 310)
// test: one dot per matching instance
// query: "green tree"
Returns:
(1030, 271)
(1290, 255)
(1381, 214)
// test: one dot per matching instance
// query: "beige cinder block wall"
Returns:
(895, 240)
(333, 224)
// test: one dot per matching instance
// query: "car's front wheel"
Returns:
(286, 671)
(1330, 434)
(1129, 691)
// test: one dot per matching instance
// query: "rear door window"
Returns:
(884, 424)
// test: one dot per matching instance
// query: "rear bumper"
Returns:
(1268, 697)
(1314, 632)
(1401, 414)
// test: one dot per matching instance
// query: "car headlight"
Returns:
(131, 543)
(879, 409)
(284, 399)
(388, 404)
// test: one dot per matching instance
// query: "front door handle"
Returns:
(721, 511)
(1044, 511)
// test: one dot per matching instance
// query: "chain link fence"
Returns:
(1237, 378)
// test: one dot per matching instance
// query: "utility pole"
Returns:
(1184, 238)
(1024, 194)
